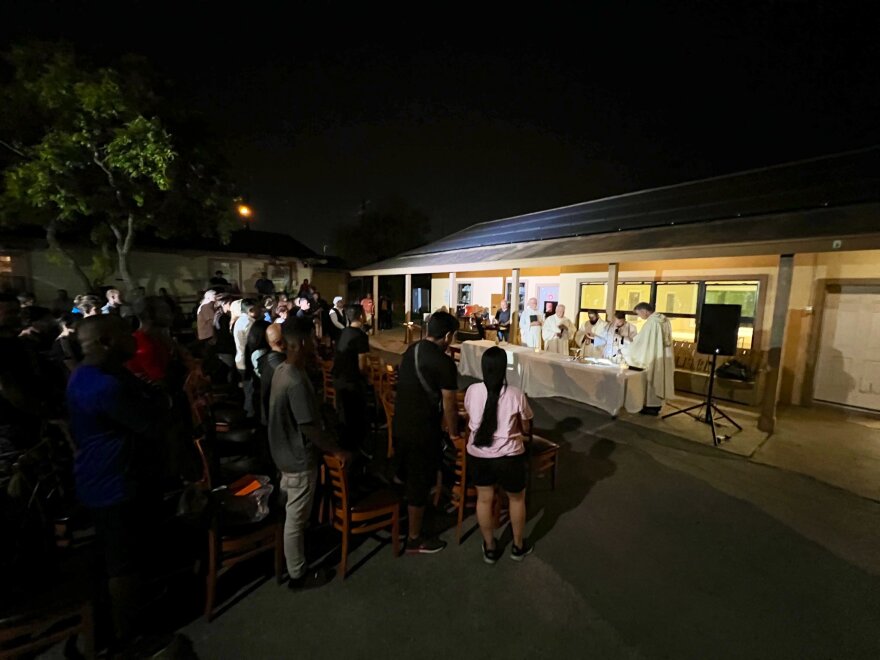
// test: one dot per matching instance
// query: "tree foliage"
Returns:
(92, 157)
(382, 231)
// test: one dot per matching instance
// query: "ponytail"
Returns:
(494, 364)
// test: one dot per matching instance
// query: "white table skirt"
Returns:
(546, 374)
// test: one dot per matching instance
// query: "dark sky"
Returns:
(473, 118)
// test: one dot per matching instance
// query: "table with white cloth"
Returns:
(540, 374)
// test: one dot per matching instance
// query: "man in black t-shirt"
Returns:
(426, 389)
(267, 363)
(349, 370)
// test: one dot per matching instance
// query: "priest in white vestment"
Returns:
(530, 324)
(590, 339)
(558, 332)
(652, 351)
(618, 333)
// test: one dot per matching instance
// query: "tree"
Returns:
(390, 227)
(92, 158)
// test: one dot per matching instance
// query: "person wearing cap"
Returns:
(337, 319)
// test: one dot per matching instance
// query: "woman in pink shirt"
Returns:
(500, 417)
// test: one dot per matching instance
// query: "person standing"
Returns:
(618, 333)
(502, 319)
(532, 324)
(114, 302)
(266, 365)
(369, 308)
(117, 426)
(499, 418)
(337, 319)
(426, 397)
(265, 286)
(296, 440)
(557, 332)
(591, 339)
(651, 350)
(240, 330)
(350, 368)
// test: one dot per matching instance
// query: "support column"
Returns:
(375, 327)
(767, 420)
(453, 294)
(611, 292)
(514, 304)
(407, 294)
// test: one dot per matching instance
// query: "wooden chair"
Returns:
(463, 496)
(378, 510)
(387, 399)
(27, 634)
(388, 379)
(543, 459)
(455, 353)
(327, 379)
(229, 545)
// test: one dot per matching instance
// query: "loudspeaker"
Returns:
(719, 327)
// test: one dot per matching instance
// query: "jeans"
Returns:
(299, 487)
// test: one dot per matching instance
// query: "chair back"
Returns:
(459, 486)
(338, 481)
(388, 380)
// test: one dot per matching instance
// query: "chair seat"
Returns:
(541, 445)
(377, 500)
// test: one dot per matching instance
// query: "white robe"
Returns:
(552, 326)
(596, 347)
(615, 340)
(652, 351)
(531, 336)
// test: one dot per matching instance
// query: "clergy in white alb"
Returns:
(617, 333)
(530, 325)
(558, 332)
(651, 350)
(590, 339)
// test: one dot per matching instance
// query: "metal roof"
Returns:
(770, 204)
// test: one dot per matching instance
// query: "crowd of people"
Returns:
(112, 372)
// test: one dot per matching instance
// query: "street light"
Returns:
(245, 211)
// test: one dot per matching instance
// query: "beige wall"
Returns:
(183, 275)
(330, 283)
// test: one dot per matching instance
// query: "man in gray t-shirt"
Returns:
(296, 440)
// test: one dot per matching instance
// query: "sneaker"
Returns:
(520, 553)
(490, 556)
(423, 546)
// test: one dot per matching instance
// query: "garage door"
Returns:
(848, 367)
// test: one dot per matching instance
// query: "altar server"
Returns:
(558, 332)
(619, 332)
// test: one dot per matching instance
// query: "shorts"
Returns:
(509, 472)
(120, 534)
(417, 461)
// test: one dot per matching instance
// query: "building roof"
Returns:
(832, 196)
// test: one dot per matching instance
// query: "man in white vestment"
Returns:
(591, 337)
(530, 324)
(558, 332)
(651, 350)
(617, 333)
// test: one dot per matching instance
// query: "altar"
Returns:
(606, 386)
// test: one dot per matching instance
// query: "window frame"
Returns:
(701, 282)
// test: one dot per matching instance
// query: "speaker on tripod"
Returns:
(717, 334)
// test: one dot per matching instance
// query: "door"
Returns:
(848, 365)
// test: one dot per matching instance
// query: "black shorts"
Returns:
(417, 461)
(509, 472)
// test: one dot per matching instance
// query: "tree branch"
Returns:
(17, 152)
(96, 158)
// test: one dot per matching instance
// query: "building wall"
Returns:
(183, 275)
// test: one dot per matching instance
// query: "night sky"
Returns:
(472, 118)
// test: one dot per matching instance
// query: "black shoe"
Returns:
(490, 556)
(423, 546)
(311, 580)
(520, 553)
(650, 410)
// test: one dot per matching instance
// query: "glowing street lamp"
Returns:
(245, 211)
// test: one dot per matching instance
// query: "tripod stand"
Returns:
(712, 411)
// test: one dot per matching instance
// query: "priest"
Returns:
(531, 324)
(619, 332)
(591, 337)
(651, 350)
(558, 332)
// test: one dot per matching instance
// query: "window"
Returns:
(681, 302)
(522, 294)
(465, 289)
(592, 297)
